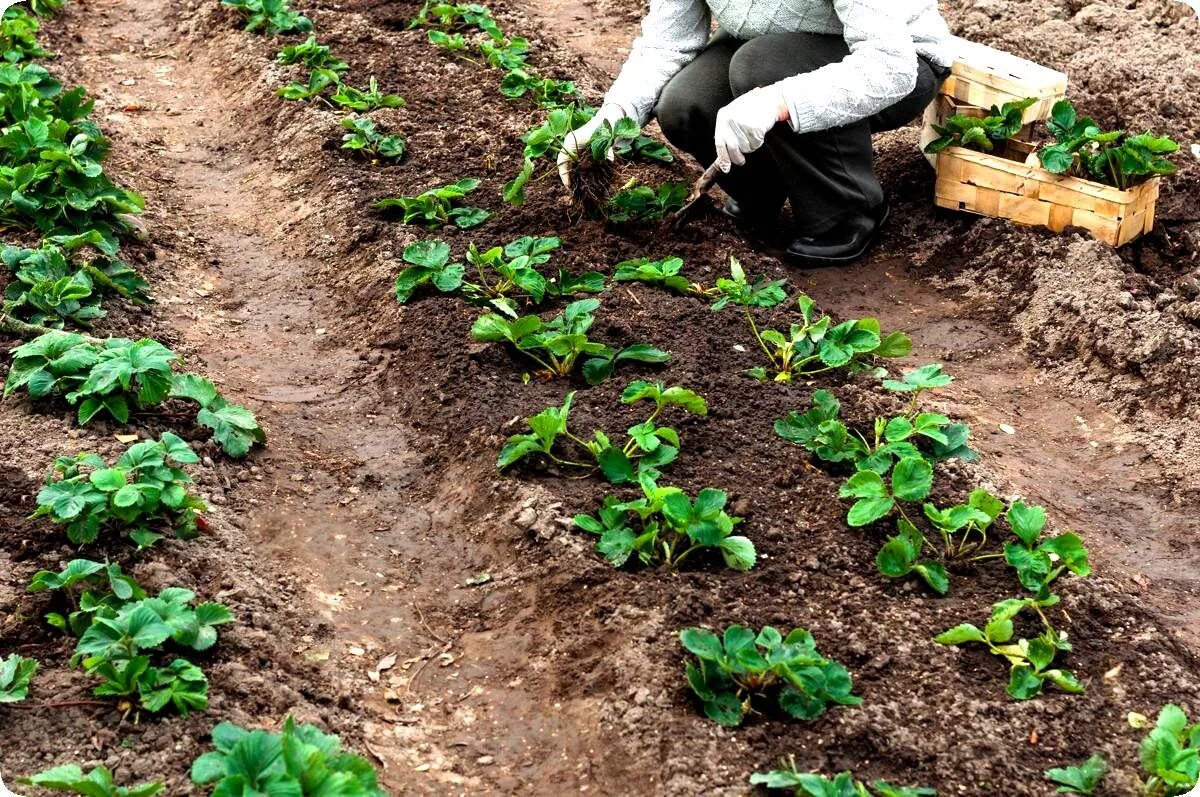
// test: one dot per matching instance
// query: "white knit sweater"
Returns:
(884, 37)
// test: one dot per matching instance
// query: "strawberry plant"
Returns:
(812, 784)
(461, 16)
(663, 272)
(16, 672)
(349, 98)
(639, 203)
(96, 783)
(364, 137)
(312, 55)
(104, 590)
(18, 36)
(143, 492)
(1170, 754)
(730, 672)
(193, 627)
(648, 448)
(1082, 779)
(272, 17)
(453, 42)
(1030, 660)
(546, 92)
(982, 134)
(301, 761)
(561, 343)
(508, 276)
(318, 81)
(737, 289)
(1114, 157)
(51, 301)
(665, 526)
(36, 268)
(505, 53)
(438, 207)
(117, 376)
(1040, 562)
(429, 263)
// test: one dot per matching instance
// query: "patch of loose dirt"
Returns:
(357, 534)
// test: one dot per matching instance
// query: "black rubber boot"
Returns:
(760, 224)
(845, 243)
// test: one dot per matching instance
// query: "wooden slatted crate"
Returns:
(983, 76)
(1026, 193)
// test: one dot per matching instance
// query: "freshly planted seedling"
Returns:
(234, 428)
(349, 98)
(640, 203)
(438, 207)
(16, 672)
(504, 53)
(876, 498)
(547, 139)
(318, 81)
(983, 134)
(546, 92)
(1170, 754)
(730, 672)
(143, 493)
(1083, 779)
(508, 276)
(457, 16)
(429, 264)
(663, 272)
(193, 627)
(312, 55)
(299, 762)
(272, 17)
(665, 526)
(57, 283)
(737, 289)
(97, 783)
(105, 589)
(812, 784)
(1030, 660)
(453, 42)
(558, 345)
(1040, 562)
(648, 448)
(364, 137)
(1114, 157)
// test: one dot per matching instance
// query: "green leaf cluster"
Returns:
(1170, 754)
(234, 428)
(731, 671)
(1029, 660)
(142, 493)
(664, 273)
(1000, 124)
(96, 783)
(272, 17)
(844, 784)
(507, 277)
(91, 589)
(738, 289)
(558, 345)
(16, 672)
(49, 289)
(299, 762)
(640, 203)
(1082, 779)
(1040, 562)
(311, 54)
(649, 446)
(438, 207)
(363, 136)
(665, 526)
(1115, 157)
(18, 36)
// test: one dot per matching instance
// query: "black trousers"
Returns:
(827, 176)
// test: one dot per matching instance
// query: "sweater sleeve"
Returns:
(673, 34)
(880, 70)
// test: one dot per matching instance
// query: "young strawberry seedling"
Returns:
(1030, 660)
(737, 289)
(461, 16)
(191, 626)
(429, 263)
(364, 137)
(18, 36)
(1114, 158)
(666, 527)
(664, 273)
(452, 42)
(640, 203)
(286, 764)
(143, 492)
(983, 134)
(546, 92)
(272, 17)
(812, 784)
(234, 428)
(438, 207)
(1083, 779)
(105, 590)
(52, 286)
(16, 673)
(731, 672)
(349, 98)
(96, 783)
(312, 55)
(504, 53)
(318, 81)
(562, 343)
(508, 276)
(1038, 562)
(1170, 755)
(640, 457)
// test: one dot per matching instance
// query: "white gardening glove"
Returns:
(577, 139)
(743, 124)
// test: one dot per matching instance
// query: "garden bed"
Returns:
(563, 671)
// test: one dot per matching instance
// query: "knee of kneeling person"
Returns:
(682, 115)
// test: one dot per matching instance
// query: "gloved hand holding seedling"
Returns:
(586, 160)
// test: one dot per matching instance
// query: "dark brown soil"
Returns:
(360, 532)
